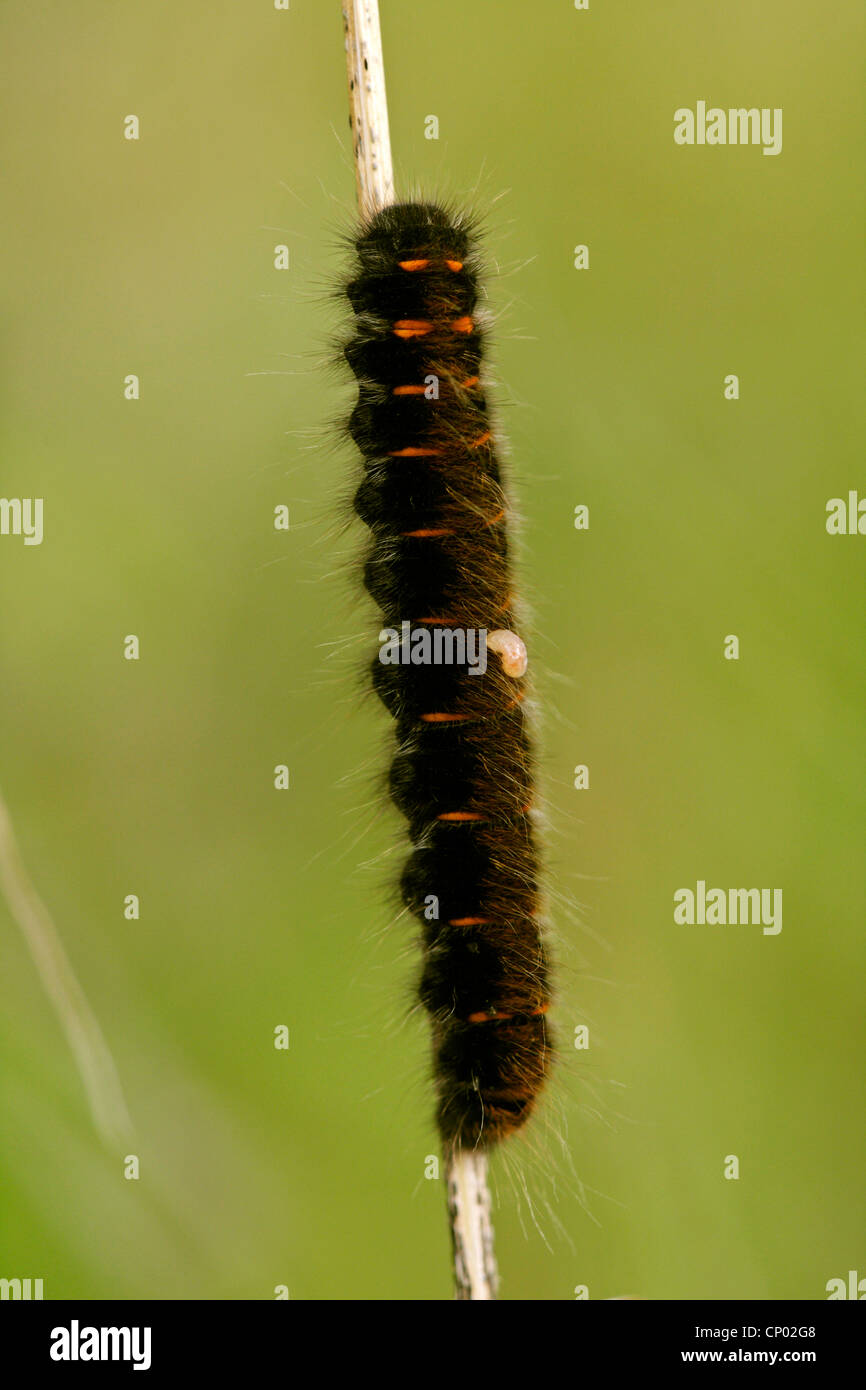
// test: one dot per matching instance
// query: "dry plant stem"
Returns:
(95, 1063)
(368, 105)
(471, 1229)
(468, 1193)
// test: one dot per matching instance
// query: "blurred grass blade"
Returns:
(93, 1058)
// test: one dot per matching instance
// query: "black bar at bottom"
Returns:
(155, 1338)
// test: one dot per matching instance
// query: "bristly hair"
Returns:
(432, 495)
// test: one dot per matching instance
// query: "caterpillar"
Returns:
(433, 497)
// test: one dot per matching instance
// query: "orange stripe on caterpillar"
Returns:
(505, 1018)
(453, 621)
(424, 534)
(414, 452)
(419, 328)
(474, 816)
(438, 717)
(478, 921)
(467, 385)
(424, 265)
(412, 328)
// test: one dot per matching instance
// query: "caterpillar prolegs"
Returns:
(432, 495)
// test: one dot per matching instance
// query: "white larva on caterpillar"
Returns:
(511, 649)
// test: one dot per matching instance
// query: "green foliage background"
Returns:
(306, 1168)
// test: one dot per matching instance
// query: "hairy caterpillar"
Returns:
(432, 495)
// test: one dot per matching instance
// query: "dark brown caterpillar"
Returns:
(433, 498)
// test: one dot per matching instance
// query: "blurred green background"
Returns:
(258, 908)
